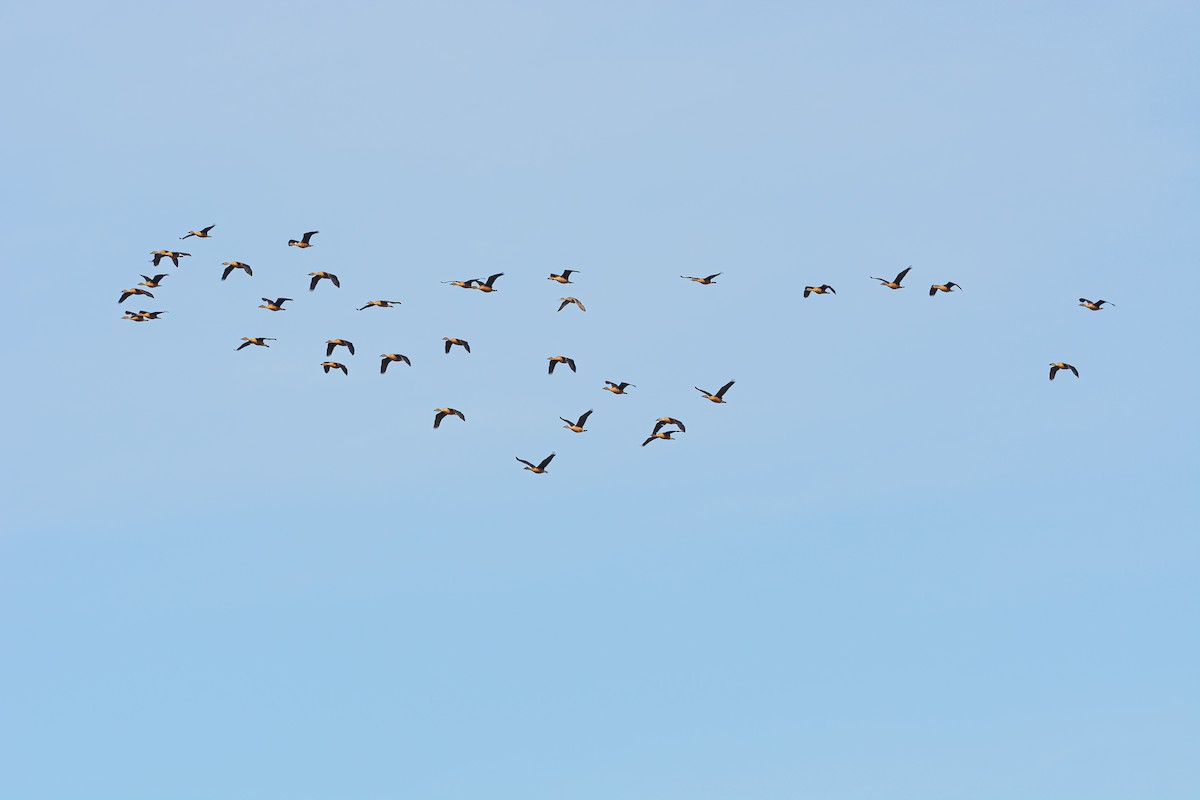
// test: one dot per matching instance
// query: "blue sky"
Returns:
(898, 563)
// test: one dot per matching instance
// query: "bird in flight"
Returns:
(540, 469)
(661, 421)
(125, 295)
(276, 304)
(203, 233)
(462, 284)
(332, 343)
(318, 276)
(617, 388)
(304, 240)
(451, 341)
(159, 255)
(261, 341)
(822, 289)
(1055, 367)
(948, 286)
(328, 365)
(442, 413)
(893, 284)
(1088, 304)
(719, 397)
(486, 286)
(230, 266)
(152, 283)
(665, 436)
(577, 425)
(142, 316)
(556, 360)
(702, 281)
(564, 278)
(380, 304)
(389, 358)
(566, 301)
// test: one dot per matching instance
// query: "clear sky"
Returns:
(899, 563)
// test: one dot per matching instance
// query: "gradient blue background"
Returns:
(899, 563)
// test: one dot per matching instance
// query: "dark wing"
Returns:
(553, 363)
(721, 392)
(308, 236)
(623, 385)
(448, 346)
(954, 285)
(329, 349)
(610, 383)
(648, 441)
(175, 259)
(680, 424)
(583, 419)
(157, 258)
(1084, 300)
(225, 274)
(206, 230)
(405, 360)
(181, 238)
(526, 463)
(245, 344)
(350, 347)
(438, 419)
(249, 271)
(710, 277)
(492, 278)
(807, 291)
(564, 419)
(282, 300)
(1073, 370)
(933, 290)
(903, 272)
(383, 366)
(829, 288)
(571, 364)
(581, 306)
(459, 414)
(701, 391)
(312, 285)
(566, 273)
(658, 426)
(368, 305)
(336, 282)
(344, 370)
(125, 296)
(1053, 370)
(466, 346)
(326, 368)
(546, 461)
(563, 305)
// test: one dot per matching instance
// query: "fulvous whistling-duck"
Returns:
(486, 286)
(152, 283)
(540, 468)
(332, 343)
(317, 276)
(159, 255)
(566, 301)
(462, 284)
(616, 388)
(381, 304)
(564, 278)
(389, 358)
(577, 426)
(230, 266)
(665, 436)
(948, 286)
(142, 316)
(125, 295)
(203, 233)
(328, 365)
(702, 281)
(1090, 306)
(451, 341)
(661, 421)
(1055, 367)
(822, 289)
(276, 304)
(442, 413)
(896, 283)
(304, 240)
(261, 341)
(556, 360)
(719, 397)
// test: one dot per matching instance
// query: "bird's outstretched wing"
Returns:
(721, 392)
(245, 344)
(334, 279)
(438, 419)
(583, 419)
(546, 461)
(526, 463)
(308, 236)
(903, 272)
(710, 277)
(312, 285)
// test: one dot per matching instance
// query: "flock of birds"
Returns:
(487, 286)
